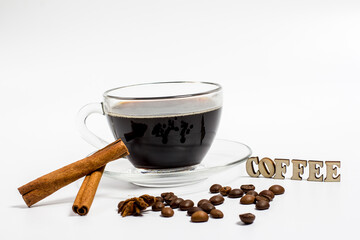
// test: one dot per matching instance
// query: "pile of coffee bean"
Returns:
(200, 213)
(168, 201)
(248, 195)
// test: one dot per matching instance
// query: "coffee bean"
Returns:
(262, 205)
(158, 206)
(235, 193)
(207, 207)
(216, 200)
(247, 218)
(247, 187)
(167, 212)
(202, 201)
(267, 193)
(252, 192)
(191, 210)
(247, 199)
(169, 198)
(159, 199)
(225, 190)
(262, 198)
(199, 216)
(176, 202)
(167, 195)
(216, 213)
(186, 204)
(163, 195)
(277, 189)
(215, 188)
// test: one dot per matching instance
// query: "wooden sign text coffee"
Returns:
(277, 169)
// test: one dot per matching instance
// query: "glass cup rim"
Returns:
(218, 88)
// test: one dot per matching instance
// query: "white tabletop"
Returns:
(291, 90)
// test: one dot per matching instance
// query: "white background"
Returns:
(290, 72)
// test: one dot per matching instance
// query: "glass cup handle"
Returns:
(85, 133)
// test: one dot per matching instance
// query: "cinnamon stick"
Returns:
(87, 191)
(42, 187)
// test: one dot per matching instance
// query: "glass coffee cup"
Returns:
(165, 125)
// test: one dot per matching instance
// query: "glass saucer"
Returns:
(222, 155)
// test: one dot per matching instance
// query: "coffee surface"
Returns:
(166, 141)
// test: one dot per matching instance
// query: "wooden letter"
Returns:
(314, 171)
(267, 167)
(280, 167)
(250, 167)
(331, 171)
(297, 169)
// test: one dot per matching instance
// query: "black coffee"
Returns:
(166, 141)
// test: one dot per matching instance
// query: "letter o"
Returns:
(267, 167)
